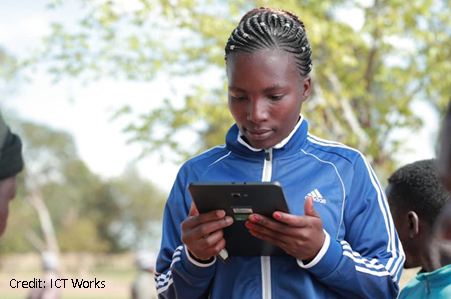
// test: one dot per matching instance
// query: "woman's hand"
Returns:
(202, 234)
(300, 236)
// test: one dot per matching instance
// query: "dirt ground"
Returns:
(115, 271)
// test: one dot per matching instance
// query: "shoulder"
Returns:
(327, 149)
(211, 156)
(203, 161)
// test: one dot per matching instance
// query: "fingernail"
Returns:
(250, 224)
(254, 218)
(277, 216)
(220, 213)
(229, 220)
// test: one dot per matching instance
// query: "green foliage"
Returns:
(22, 219)
(82, 236)
(141, 204)
(203, 112)
(8, 66)
(9, 72)
(365, 80)
(142, 200)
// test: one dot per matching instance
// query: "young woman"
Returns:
(339, 236)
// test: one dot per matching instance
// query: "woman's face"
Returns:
(266, 92)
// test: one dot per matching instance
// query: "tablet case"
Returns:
(239, 200)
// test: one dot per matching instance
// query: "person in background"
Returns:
(11, 163)
(340, 239)
(416, 197)
(144, 285)
(50, 267)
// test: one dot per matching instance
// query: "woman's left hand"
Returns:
(300, 236)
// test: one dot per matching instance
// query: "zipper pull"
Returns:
(267, 165)
(268, 154)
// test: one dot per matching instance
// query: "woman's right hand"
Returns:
(202, 234)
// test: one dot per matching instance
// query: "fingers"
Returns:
(193, 210)
(206, 223)
(202, 233)
(259, 227)
(300, 236)
(299, 221)
(259, 224)
(309, 209)
(270, 236)
(205, 248)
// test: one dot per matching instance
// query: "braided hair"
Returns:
(417, 187)
(269, 28)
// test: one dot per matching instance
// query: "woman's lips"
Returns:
(259, 134)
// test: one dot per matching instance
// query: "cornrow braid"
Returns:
(269, 28)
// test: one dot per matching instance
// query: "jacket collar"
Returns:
(295, 140)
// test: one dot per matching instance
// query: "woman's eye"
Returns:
(238, 98)
(276, 97)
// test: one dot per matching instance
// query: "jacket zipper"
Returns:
(267, 167)
(266, 260)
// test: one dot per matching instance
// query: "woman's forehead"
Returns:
(267, 60)
(263, 57)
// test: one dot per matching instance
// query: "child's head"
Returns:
(416, 197)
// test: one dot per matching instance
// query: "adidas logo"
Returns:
(317, 196)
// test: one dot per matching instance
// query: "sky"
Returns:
(85, 110)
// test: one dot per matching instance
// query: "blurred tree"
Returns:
(365, 79)
(140, 223)
(82, 236)
(77, 210)
(8, 65)
(9, 70)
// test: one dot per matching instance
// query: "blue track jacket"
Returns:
(361, 258)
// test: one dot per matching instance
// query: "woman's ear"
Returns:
(307, 87)
(414, 224)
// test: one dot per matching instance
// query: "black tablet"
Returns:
(239, 200)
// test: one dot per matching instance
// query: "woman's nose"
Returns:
(257, 112)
